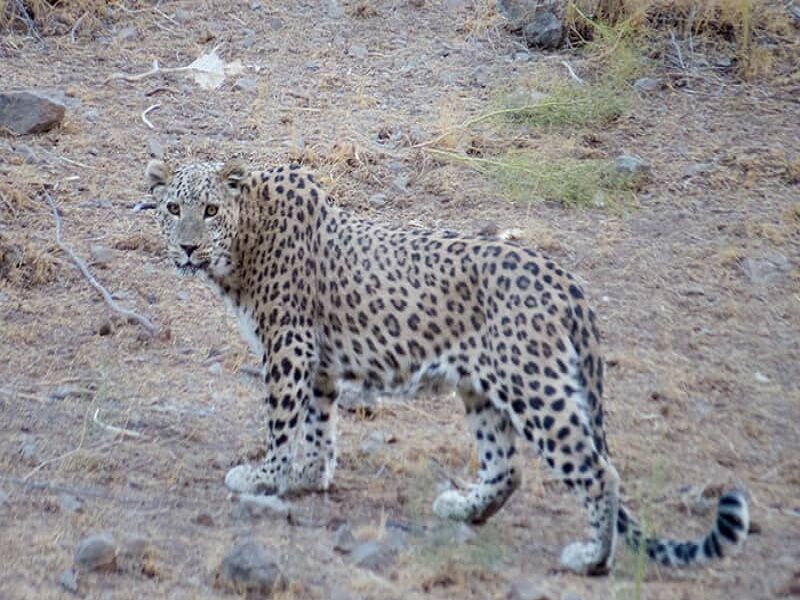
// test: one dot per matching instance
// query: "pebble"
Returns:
(358, 51)
(96, 552)
(400, 183)
(246, 84)
(183, 295)
(344, 541)
(70, 503)
(251, 568)
(765, 269)
(481, 76)
(204, 519)
(377, 200)
(275, 24)
(105, 328)
(647, 85)
(92, 115)
(698, 169)
(155, 148)
(334, 9)
(373, 555)
(69, 580)
(628, 164)
(249, 39)
(3, 499)
(216, 369)
(128, 34)
(182, 16)
(529, 590)
(28, 450)
(100, 255)
(256, 506)
(151, 298)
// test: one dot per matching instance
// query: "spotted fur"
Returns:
(328, 299)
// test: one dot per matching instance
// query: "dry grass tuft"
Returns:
(24, 263)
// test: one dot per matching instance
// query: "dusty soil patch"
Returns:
(704, 355)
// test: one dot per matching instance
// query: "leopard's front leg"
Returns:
(290, 373)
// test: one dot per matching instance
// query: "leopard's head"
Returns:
(198, 211)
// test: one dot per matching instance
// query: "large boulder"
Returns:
(27, 112)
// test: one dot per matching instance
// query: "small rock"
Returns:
(151, 298)
(275, 24)
(105, 328)
(765, 269)
(256, 506)
(487, 228)
(100, 255)
(182, 16)
(28, 450)
(91, 115)
(155, 148)
(518, 13)
(647, 85)
(128, 34)
(570, 595)
(760, 377)
(693, 290)
(183, 295)
(249, 39)
(481, 76)
(631, 165)
(522, 56)
(358, 51)
(27, 112)
(251, 568)
(400, 183)
(373, 555)
(204, 519)
(544, 31)
(377, 200)
(3, 499)
(334, 9)
(255, 5)
(246, 84)
(698, 169)
(70, 503)
(344, 541)
(529, 590)
(69, 580)
(216, 369)
(63, 392)
(96, 552)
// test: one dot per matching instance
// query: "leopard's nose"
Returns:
(188, 249)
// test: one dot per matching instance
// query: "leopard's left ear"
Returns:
(233, 174)
(158, 174)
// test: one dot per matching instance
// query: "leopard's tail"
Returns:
(726, 536)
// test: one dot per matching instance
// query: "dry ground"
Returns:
(704, 377)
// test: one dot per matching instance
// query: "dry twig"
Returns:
(572, 73)
(128, 314)
(144, 115)
(112, 428)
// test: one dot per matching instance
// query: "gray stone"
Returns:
(570, 595)
(628, 164)
(522, 56)
(128, 34)
(334, 9)
(518, 13)
(3, 499)
(545, 31)
(155, 148)
(151, 298)
(69, 580)
(647, 85)
(249, 39)
(246, 84)
(257, 506)
(100, 255)
(344, 541)
(529, 590)
(96, 552)
(255, 5)
(27, 112)
(92, 115)
(358, 51)
(481, 75)
(275, 24)
(63, 392)
(250, 567)
(698, 169)
(400, 183)
(216, 369)
(693, 290)
(766, 269)
(29, 450)
(377, 200)
(183, 295)
(182, 16)
(373, 555)
(70, 503)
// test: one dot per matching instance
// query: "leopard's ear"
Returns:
(233, 174)
(158, 174)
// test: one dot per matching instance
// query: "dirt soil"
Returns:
(696, 287)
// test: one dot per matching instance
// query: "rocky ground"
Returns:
(114, 443)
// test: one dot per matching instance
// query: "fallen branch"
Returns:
(144, 115)
(154, 71)
(114, 429)
(128, 314)
(572, 73)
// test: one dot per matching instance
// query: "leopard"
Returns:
(330, 300)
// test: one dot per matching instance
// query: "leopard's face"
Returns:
(198, 212)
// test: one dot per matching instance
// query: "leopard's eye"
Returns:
(211, 210)
(174, 208)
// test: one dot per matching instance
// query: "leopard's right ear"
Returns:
(158, 174)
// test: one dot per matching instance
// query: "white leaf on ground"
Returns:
(209, 70)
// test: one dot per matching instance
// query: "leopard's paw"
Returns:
(246, 479)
